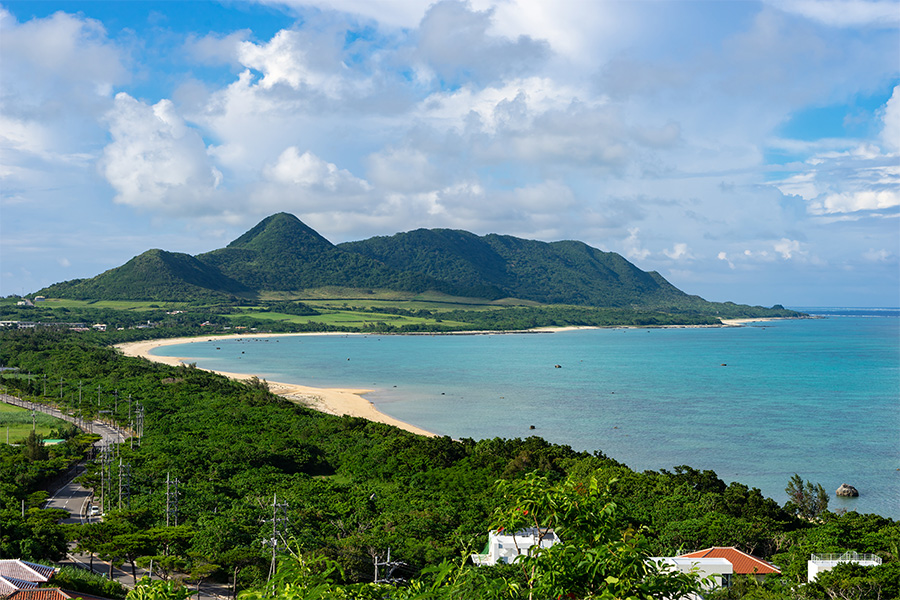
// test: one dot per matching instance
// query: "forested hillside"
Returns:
(283, 256)
(154, 275)
(354, 489)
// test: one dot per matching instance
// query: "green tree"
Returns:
(159, 590)
(34, 448)
(598, 556)
(806, 500)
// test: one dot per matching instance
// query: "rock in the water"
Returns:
(847, 490)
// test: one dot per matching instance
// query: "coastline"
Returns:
(336, 401)
(333, 401)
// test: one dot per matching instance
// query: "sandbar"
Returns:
(334, 401)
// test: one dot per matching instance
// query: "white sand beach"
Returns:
(334, 401)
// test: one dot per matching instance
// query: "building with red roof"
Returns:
(743, 563)
(51, 594)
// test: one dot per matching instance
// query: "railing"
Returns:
(846, 557)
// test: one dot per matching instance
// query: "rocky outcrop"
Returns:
(847, 490)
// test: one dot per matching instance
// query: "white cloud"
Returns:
(854, 178)
(155, 161)
(878, 256)
(632, 245)
(402, 170)
(679, 251)
(454, 43)
(787, 248)
(309, 171)
(848, 202)
(724, 256)
(890, 133)
(845, 13)
(288, 58)
(216, 48)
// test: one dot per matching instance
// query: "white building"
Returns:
(715, 572)
(719, 570)
(819, 563)
(506, 548)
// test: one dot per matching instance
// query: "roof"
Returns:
(51, 594)
(26, 571)
(742, 562)
(8, 585)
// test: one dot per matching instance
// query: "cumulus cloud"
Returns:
(403, 170)
(291, 58)
(787, 248)
(156, 161)
(216, 48)
(58, 72)
(309, 171)
(632, 245)
(454, 43)
(679, 251)
(855, 180)
(848, 202)
(890, 132)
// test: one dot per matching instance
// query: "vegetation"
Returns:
(806, 500)
(16, 424)
(282, 256)
(354, 489)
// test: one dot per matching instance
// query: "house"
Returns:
(741, 562)
(26, 571)
(718, 569)
(51, 594)
(819, 563)
(716, 572)
(506, 548)
(9, 585)
(17, 575)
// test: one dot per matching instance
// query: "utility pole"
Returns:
(279, 516)
(140, 422)
(124, 483)
(171, 500)
(391, 566)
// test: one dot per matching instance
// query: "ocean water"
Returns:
(817, 397)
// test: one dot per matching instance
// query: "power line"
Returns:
(171, 500)
(279, 517)
(390, 567)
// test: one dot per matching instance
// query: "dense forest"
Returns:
(351, 490)
(283, 255)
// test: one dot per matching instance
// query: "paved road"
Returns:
(75, 499)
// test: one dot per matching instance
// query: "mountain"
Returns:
(496, 266)
(281, 253)
(153, 275)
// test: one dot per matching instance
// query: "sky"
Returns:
(748, 151)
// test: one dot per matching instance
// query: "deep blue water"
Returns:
(817, 397)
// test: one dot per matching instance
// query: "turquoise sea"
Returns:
(818, 397)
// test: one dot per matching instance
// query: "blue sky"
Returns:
(748, 151)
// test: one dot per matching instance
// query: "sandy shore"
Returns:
(334, 401)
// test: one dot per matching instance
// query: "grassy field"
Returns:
(113, 304)
(18, 422)
(341, 317)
